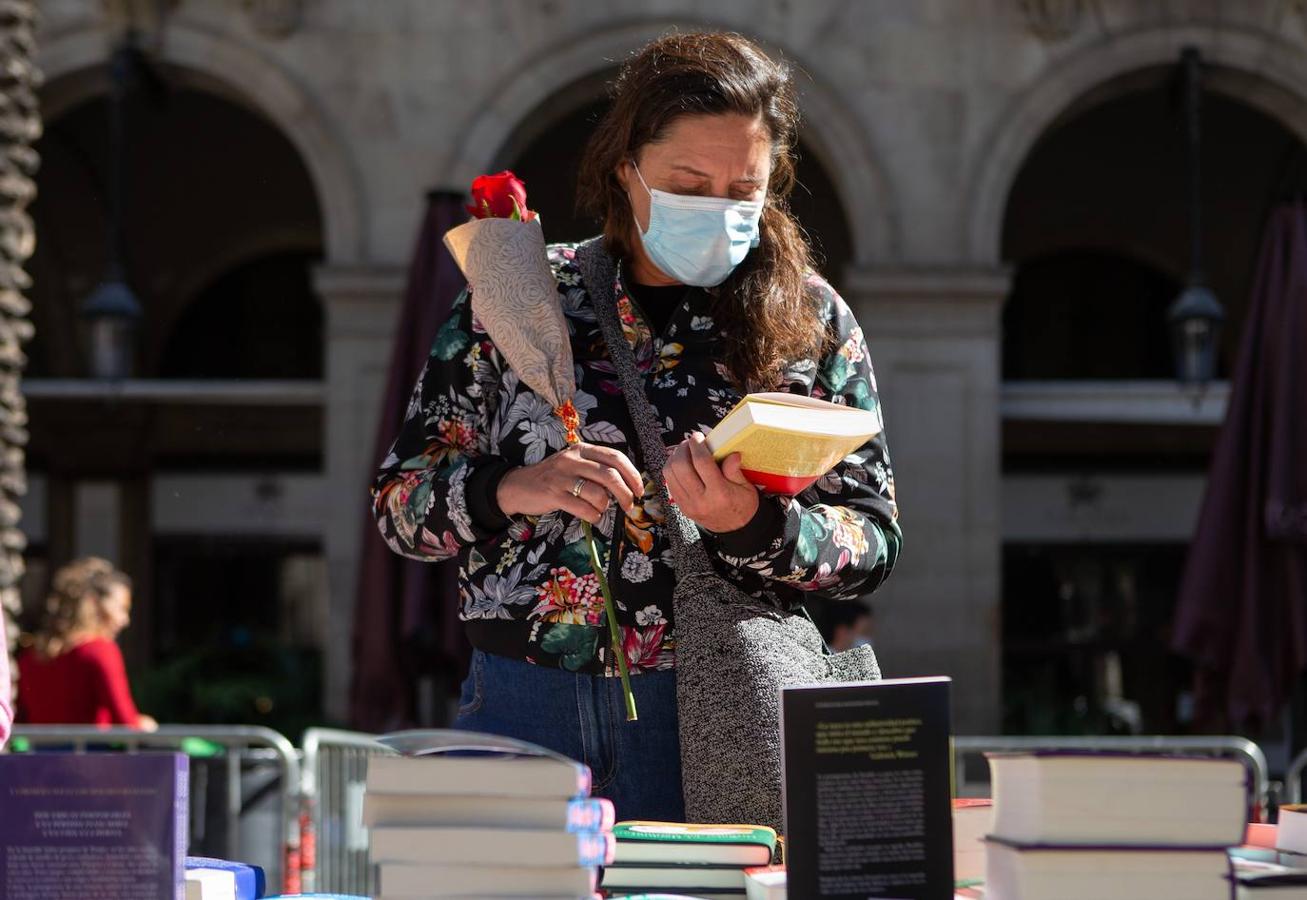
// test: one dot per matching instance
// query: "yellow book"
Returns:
(787, 441)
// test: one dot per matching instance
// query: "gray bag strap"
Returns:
(600, 272)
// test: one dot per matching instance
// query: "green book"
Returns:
(682, 843)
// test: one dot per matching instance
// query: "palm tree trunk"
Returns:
(20, 126)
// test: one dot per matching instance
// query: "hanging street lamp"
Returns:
(112, 312)
(1195, 318)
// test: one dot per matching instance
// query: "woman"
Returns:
(689, 172)
(74, 673)
(6, 710)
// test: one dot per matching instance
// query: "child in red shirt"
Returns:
(6, 712)
(74, 674)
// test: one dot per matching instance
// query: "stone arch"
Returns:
(73, 61)
(1259, 70)
(842, 148)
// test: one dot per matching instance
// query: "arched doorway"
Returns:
(211, 187)
(1104, 458)
(546, 148)
(200, 477)
(1109, 178)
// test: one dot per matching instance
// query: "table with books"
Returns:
(1062, 826)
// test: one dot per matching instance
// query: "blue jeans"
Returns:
(637, 764)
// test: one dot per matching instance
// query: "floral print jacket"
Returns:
(527, 587)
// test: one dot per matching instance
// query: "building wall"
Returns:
(922, 113)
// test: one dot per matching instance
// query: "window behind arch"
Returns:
(258, 320)
(1087, 314)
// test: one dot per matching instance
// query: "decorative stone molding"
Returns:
(1052, 20)
(361, 301)
(929, 302)
(275, 19)
(1262, 71)
(265, 84)
(145, 16)
(980, 283)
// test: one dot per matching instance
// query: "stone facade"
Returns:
(921, 112)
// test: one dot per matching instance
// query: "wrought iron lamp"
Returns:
(1195, 318)
(112, 312)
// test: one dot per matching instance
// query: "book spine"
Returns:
(595, 848)
(782, 485)
(181, 809)
(594, 814)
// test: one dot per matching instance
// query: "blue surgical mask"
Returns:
(699, 240)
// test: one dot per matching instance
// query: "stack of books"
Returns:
(703, 861)
(1291, 835)
(1256, 880)
(1272, 863)
(221, 879)
(973, 820)
(1085, 826)
(486, 825)
(765, 883)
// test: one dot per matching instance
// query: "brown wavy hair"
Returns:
(763, 305)
(76, 594)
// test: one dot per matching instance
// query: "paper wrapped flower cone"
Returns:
(515, 297)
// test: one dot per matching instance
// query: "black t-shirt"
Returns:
(658, 302)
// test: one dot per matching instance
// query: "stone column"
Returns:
(935, 340)
(362, 305)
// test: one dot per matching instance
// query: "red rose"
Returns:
(501, 196)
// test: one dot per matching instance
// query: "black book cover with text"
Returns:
(868, 811)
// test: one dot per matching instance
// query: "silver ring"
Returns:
(576, 488)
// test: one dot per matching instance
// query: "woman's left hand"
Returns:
(718, 498)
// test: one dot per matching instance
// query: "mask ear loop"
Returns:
(643, 231)
(640, 175)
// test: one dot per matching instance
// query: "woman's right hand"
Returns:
(605, 475)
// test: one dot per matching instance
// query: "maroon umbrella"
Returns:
(1242, 610)
(406, 612)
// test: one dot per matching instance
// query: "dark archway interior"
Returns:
(214, 193)
(1097, 228)
(1097, 231)
(548, 164)
(231, 330)
(1062, 306)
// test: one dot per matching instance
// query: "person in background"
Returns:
(6, 711)
(73, 674)
(848, 625)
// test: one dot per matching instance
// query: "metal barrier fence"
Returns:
(1247, 752)
(1293, 779)
(324, 847)
(242, 746)
(335, 843)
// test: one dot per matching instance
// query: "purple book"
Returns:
(93, 825)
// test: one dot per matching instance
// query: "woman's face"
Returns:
(116, 610)
(727, 155)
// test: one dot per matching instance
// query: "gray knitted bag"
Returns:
(734, 652)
